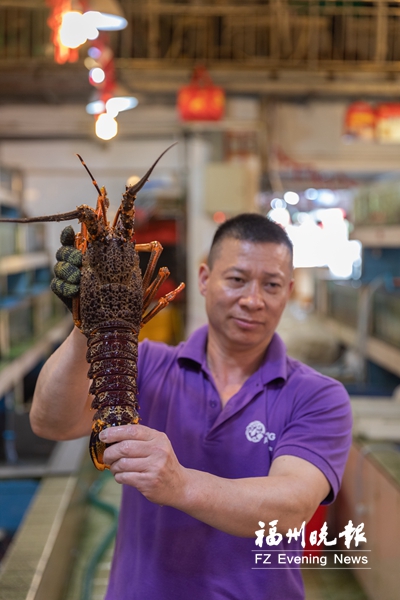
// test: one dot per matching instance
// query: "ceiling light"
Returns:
(72, 31)
(291, 198)
(120, 100)
(76, 29)
(95, 106)
(118, 104)
(92, 33)
(106, 127)
(94, 52)
(133, 180)
(278, 203)
(106, 15)
(311, 194)
(280, 216)
(97, 75)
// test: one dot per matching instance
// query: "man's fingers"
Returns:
(129, 478)
(130, 449)
(110, 435)
(130, 465)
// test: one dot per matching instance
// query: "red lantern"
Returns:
(388, 123)
(201, 100)
(360, 121)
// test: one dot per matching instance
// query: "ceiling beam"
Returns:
(38, 81)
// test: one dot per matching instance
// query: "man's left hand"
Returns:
(144, 458)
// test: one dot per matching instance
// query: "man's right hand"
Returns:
(67, 269)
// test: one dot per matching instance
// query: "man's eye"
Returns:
(235, 279)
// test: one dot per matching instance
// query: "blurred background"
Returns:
(289, 108)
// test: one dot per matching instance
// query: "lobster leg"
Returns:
(155, 248)
(151, 291)
(162, 303)
(101, 209)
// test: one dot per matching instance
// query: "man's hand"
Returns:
(67, 270)
(144, 458)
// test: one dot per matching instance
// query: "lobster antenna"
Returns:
(90, 175)
(69, 216)
(134, 189)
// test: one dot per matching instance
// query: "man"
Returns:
(234, 433)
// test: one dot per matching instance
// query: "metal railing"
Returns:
(278, 34)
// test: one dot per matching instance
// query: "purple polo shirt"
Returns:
(283, 408)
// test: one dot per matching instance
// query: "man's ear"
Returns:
(291, 286)
(204, 274)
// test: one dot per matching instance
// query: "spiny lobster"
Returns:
(112, 304)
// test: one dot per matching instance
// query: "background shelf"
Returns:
(381, 353)
(375, 236)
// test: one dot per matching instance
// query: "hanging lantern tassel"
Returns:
(201, 100)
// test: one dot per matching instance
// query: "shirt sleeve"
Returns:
(319, 429)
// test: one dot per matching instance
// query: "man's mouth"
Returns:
(246, 323)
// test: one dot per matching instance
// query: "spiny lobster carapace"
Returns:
(112, 304)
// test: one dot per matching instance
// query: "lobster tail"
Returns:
(112, 355)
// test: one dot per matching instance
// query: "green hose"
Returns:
(93, 498)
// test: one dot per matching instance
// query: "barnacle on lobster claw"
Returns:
(114, 302)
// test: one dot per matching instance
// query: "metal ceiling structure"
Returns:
(285, 48)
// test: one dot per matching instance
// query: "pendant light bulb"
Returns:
(106, 15)
(106, 127)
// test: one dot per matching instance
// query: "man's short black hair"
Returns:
(250, 227)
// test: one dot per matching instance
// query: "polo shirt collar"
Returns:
(274, 365)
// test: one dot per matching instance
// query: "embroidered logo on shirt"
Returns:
(255, 432)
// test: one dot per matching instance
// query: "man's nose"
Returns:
(252, 297)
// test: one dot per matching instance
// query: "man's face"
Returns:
(246, 291)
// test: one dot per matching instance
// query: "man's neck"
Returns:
(231, 367)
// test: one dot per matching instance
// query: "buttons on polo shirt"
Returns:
(213, 403)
